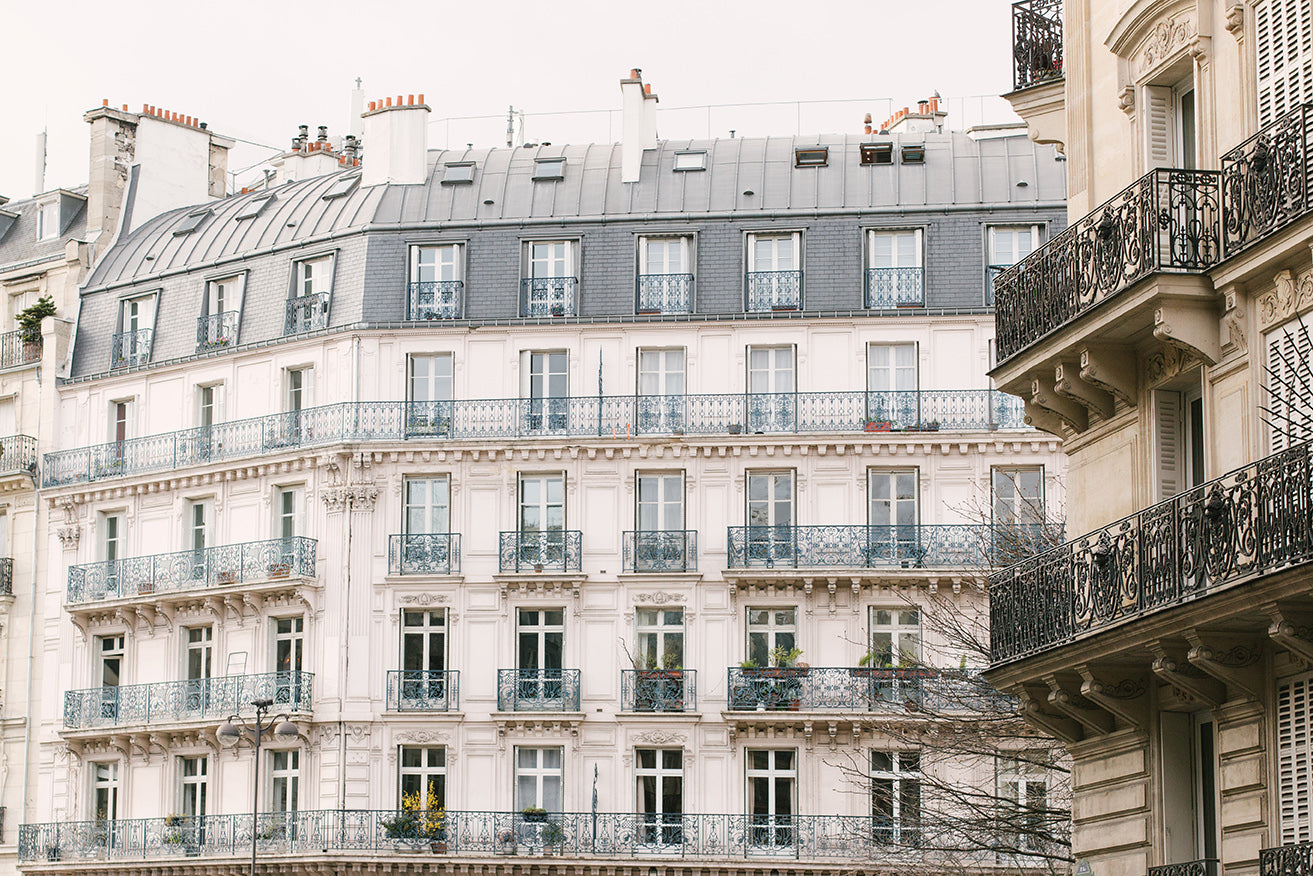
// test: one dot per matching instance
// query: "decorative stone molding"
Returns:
(1233, 324)
(1289, 298)
(661, 597)
(1235, 20)
(660, 737)
(1163, 363)
(1165, 38)
(69, 536)
(424, 599)
(422, 737)
(1126, 100)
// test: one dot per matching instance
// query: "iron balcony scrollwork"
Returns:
(1202, 867)
(19, 348)
(548, 296)
(1295, 859)
(424, 553)
(913, 546)
(435, 299)
(1036, 42)
(537, 690)
(1265, 180)
(306, 313)
(664, 293)
(555, 551)
(773, 290)
(423, 690)
(6, 576)
(859, 688)
(216, 331)
(658, 690)
(660, 551)
(18, 453)
(185, 700)
(130, 349)
(895, 287)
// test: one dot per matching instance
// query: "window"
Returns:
(111, 540)
(429, 408)
(770, 533)
(661, 387)
(199, 652)
(209, 404)
(296, 388)
(665, 275)
(538, 778)
(343, 187)
(660, 501)
(423, 775)
(198, 529)
(774, 280)
(288, 660)
(455, 174)
(914, 153)
(894, 534)
(659, 773)
(120, 422)
(193, 786)
(105, 792)
(284, 781)
(818, 156)
(312, 276)
(894, 275)
(771, 630)
(548, 391)
(1294, 759)
(772, 785)
(289, 429)
(896, 797)
(541, 522)
(223, 305)
(426, 505)
(131, 345)
(254, 206)
(190, 222)
(1284, 55)
(1018, 495)
(895, 637)
(539, 645)
(690, 161)
(772, 390)
(109, 659)
(877, 153)
(1007, 246)
(891, 385)
(549, 288)
(548, 169)
(1178, 425)
(1023, 793)
(47, 221)
(1168, 125)
(423, 642)
(437, 272)
(659, 638)
(287, 512)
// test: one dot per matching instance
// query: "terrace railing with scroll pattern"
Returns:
(424, 553)
(1202, 867)
(660, 551)
(220, 566)
(663, 293)
(950, 545)
(130, 349)
(1036, 42)
(608, 835)
(424, 690)
(216, 331)
(658, 690)
(548, 296)
(6, 576)
(555, 551)
(773, 290)
(1166, 221)
(895, 287)
(185, 700)
(1246, 523)
(15, 351)
(1267, 181)
(1295, 859)
(537, 690)
(861, 689)
(435, 299)
(18, 453)
(306, 313)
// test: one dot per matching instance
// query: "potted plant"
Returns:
(874, 425)
(735, 428)
(553, 837)
(745, 692)
(558, 310)
(29, 325)
(506, 842)
(787, 673)
(659, 690)
(174, 835)
(534, 813)
(416, 824)
(226, 577)
(279, 570)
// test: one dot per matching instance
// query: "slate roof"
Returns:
(18, 243)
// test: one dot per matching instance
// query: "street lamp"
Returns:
(236, 728)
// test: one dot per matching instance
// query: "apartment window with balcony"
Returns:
(427, 502)
(198, 653)
(891, 386)
(896, 796)
(895, 637)
(1018, 495)
(772, 792)
(550, 285)
(429, 392)
(198, 525)
(659, 773)
(661, 386)
(772, 389)
(290, 428)
(1178, 431)
(1023, 793)
(289, 644)
(1294, 765)
(665, 275)
(1168, 125)
(288, 502)
(423, 654)
(546, 385)
(771, 630)
(193, 787)
(311, 295)
(296, 388)
(111, 539)
(892, 516)
(131, 344)
(540, 648)
(539, 778)
(774, 279)
(209, 405)
(423, 776)
(770, 535)
(47, 221)
(1283, 51)
(437, 281)
(659, 638)
(105, 792)
(110, 658)
(895, 274)
(1008, 244)
(284, 781)
(218, 325)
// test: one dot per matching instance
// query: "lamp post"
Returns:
(236, 728)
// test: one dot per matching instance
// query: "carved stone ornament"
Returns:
(423, 599)
(1126, 100)
(661, 597)
(1163, 363)
(1288, 298)
(422, 737)
(660, 737)
(1165, 38)
(69, 536)
(1235, 20)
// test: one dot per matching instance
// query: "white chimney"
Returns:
(396, 141)
(355, 128)
(638, 124)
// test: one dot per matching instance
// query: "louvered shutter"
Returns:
(1293, 766)
(1289, 385)
(1158, 137)
(1284, 56)
(1168, 444)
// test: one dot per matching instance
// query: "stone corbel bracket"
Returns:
(1112, 370)
(1292, 632)
(1033, 711)
(1238, 665)
(1075, 706)
(1127, 699)
(1072, 413)
(1192, 330)
(1185, 678)
(1067, 382)
(1038, 418)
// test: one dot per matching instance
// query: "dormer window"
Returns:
(191, 222)
(456, 174)
(690, 161)
(914, 154)
(877, 153)
(47, 221)
(814, 157)
(342, 187)
(254, 206)
(549, 169)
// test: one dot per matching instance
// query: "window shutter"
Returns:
(1284, 56)
(1157, 126)
(1168, 443)
(1287, 398)
(1293, 759)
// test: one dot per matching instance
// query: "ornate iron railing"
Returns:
(664, 293)
(186, 700)
(6, 576)
(895, 287)
(435, 299)
(666, 551)
(658, 690)
(424, 553)
(482, 419)
(1036, 42)
(15, 350)
(18, 453)
(220, 566)
(1166, 221)
(1238, 526)
(773, 290)
(1267, 181)
(1290, 860)
(217, 330)
(557, 551)
(609, 835)
(950, 545)
(857, 688)
(1203, 867)
(306, 313)
(537, 690)
(424, 690)
(130, 349)
(548, 296)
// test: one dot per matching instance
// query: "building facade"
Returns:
(575, 501)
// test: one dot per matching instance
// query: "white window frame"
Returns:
(225, 294)
(1284, 82)
(897, 258)
(1025, 510)
(541, 775)
(290, 630)
(1289, 351)
(906, 636)
(193, 787)
(903, 492)
(656, 630)
(684, 248)
(198, 644)
(420, 627)
(199, 524)
(424, 774)
(775, 262)
(209, 404)
(904, 770)
(775, 828)
(112, 536)
(545, 481)
(106, 782)
(445, 260)
(657, 827)
(770, 627)
(313, 276)
(48, 224)
(284, 776)
(297, 396)
(425, 510)
(657, 496)
(289, 511)
(1018, 780)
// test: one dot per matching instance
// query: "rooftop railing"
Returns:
(18, 453)
(914, 546)
(555, 551)
(482, 419)
(423, 690)
(658, 690)
(220, 566)
(1036, 42)
(857, 688)
(216, 331)
(15, 350)
(1241, 525)
(773, 290)
(895, 287)
(130, 349)
(548, 296)
(537, 690)
(664, 293)
(186, 700)
(424, 553)
(660, 551)
(306, 313)
(435, 299)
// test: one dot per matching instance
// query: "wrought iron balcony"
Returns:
(1166, 221)
(895, 287)
(18, 453)
(664, 293)
(220, 566)
(435, 299)
(773, 291)
(537, 690)
(658, 690)
(6, 576)
(131, 349)
(1239, 526)
(856, 689)
(306, 313)
(548, 296)
(1295, 859)
(558, 551)
(424, 553)
(1036, 42)
(16, 350)
(186, 700)
(217, 331)
(483, 419)
(951, 545)
(1204, 867)
(1265, 180)
(423, 690)
(665, 551)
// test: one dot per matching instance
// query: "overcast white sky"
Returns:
(257, 70)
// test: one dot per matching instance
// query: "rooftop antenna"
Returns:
(40, 162)
(514, 138)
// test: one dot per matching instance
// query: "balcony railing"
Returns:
(424, 690)
(435, 299)
(426, 553)
(216, 331)
(658, 690)
(187, 700)
(220, 566)
(895, 287)
(1036, 42)
(15, 351)
(664, 293)
(1291, 860)
(857, 688)
(774, 290)
(18, 453)
(548, 296)
(130, 349)
(1166, 221)
(482, 419)
(6, 576)
(1267, 181)
(558, 551)
(666, 551)
(1204, 867)
(537, 690)
(602, 835)
(950, 545)
(1241, 525)
(306, 313)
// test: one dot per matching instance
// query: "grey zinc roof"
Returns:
(18, 243)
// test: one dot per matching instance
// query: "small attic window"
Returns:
(253, 207)
(914, 154)
(342, 187)
(690, 161)
(877, 153)
(549, 169)
(455, 174)
(191, 222)
(47, 221)
(818, 156)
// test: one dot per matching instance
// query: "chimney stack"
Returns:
(396, 141)
(638, 124)
(308, 158)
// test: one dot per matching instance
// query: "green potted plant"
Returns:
(29, 325)
(788, 674)
(534, 813)
(553, 837)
